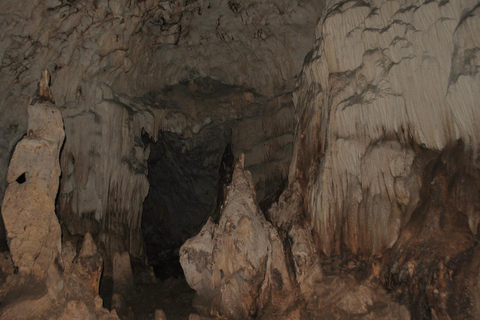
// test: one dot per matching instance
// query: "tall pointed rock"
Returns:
(28, 208)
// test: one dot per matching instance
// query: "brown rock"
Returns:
(76, 310)
(88, 264)
(308, 270)
(6, 263)
(122, 274)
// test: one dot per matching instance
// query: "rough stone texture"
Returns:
(28, 208)
(66, 295)
(89, 264)
(208, 116)
(345, 298)
(50, 284)
(235, 274)
(386, 144)
(122, 274)
(160, 315)
(437, 243)
(98, 51)
(385, 80)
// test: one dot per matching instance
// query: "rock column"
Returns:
(28, 208)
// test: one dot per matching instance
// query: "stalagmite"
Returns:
(28, 208)
(354, 124)
(237, 266)
(50, 283)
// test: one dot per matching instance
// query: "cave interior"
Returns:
(240, 159)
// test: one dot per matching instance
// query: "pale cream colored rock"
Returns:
(99, 51)
(28, 208)
(374, 85)
(234, 273)
(98, 303)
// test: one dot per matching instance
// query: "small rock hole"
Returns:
(21, 179)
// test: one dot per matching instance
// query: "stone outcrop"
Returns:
(242, 268)
(437, 243)
(192, 139)
(383, 183)
(28, 208)
(89, 264)
(238, 275)
(68, 294)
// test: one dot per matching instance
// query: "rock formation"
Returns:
(386, 144)
(109, 58)
(50, 283)
(401, 87)
(376, 214)
(238, 266)
(28, 209)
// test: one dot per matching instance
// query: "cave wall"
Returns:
(386, 82)
(102, 55)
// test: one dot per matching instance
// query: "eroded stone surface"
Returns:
(28, 208)
(385, 96)
(50, 283)
(234, 273)
(383, 76)
(100, 51)
(122, 275)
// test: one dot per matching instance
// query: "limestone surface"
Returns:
(237, 266)
(28, 208)
(384, 81)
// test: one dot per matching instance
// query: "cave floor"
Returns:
(172, 295)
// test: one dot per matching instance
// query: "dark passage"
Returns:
(186, 179)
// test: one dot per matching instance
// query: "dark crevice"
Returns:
(21, 178)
